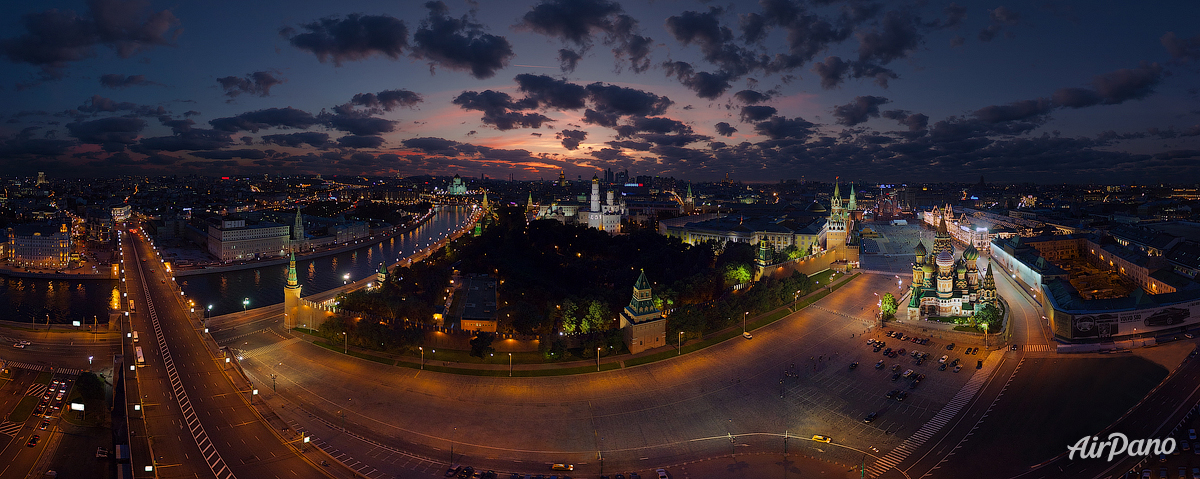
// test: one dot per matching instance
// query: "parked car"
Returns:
(870, 417)
(453, 470)
(853, 365)
(950, 347)
(944, 358)
(907, 373)
(979, 364)
(892, 394)
(957, 368)
(1192, 434)
(942, 367)
(879, 365)
(901, 395)
(895, 376)
(662, 473)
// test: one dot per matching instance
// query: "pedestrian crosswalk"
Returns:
(42, 367)
(268, 348)
(18, 364)
(36, 389)
(901, 452)
(1044, 348)
(10, 428)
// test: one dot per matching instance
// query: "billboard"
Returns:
(1151, 320)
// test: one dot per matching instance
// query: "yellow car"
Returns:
(820, 438)
(562, 467)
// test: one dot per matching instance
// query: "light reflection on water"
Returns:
(264, 286)
(29, 299)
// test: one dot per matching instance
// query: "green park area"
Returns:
(567, 283)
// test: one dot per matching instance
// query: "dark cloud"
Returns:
(571, 138)
(1182, 50)
(707, 85)
(1113, 88)
(434, 146)
(360, 141)
(295, 140)
(357, 122)
(114, 133)
(1000, 17)
(755, 113)
(1016, 111)
(916, 122)
(499, 109)
(23, 144)
(602, 119)
(115, 80)
(546, 91)
(955, 14)
(269, 118)
(957, 41)
(189, 139)
(257, 83)
(356, 37)
(459, 44)
(249, 154)
(751, 97)
(896, 37)
(631, 145)
(858, 111)
(657, 125)
(568, 59)
(579, 22)
(779, 128)
(833, 70)
(54, 37)
(387, 100)
(618, 100)
(716, 42)
(807, 34)
(99, 104)
(611, 155)
(725, 129)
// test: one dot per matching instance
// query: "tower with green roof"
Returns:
(291, 296)
(642, 324)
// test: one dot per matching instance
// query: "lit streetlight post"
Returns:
(510, 365)
(272, 383)
(744, 316)
(422, 349)
(345, 343)
(679, 344)
(597, 359)
(245, 304)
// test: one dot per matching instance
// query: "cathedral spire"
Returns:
(298, 226)
(852, 206)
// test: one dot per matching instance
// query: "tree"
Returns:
(481, 344)
(888, 306)
(598, 318)
(736, 274)
(990, 315)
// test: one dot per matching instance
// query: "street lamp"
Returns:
(346, 278)
(346, 343)
(744, 315)
(245, 304)
(272, 383)
(422, 357)
(597, 359)
(679, 344)
(985, 328)
(510, 365)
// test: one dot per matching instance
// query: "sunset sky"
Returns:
(1044, 91)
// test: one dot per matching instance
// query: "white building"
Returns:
(234, 240)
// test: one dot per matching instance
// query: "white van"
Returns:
(135, 336)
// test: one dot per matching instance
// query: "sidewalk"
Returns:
(606, 363)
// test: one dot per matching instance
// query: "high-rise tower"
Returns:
(291, 296)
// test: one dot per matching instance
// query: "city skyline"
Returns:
(1014, 92)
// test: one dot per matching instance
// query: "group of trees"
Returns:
(568, 279)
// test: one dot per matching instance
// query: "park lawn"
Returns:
(23, 409)
(1048, 418)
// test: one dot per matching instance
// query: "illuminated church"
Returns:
(943, 286)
